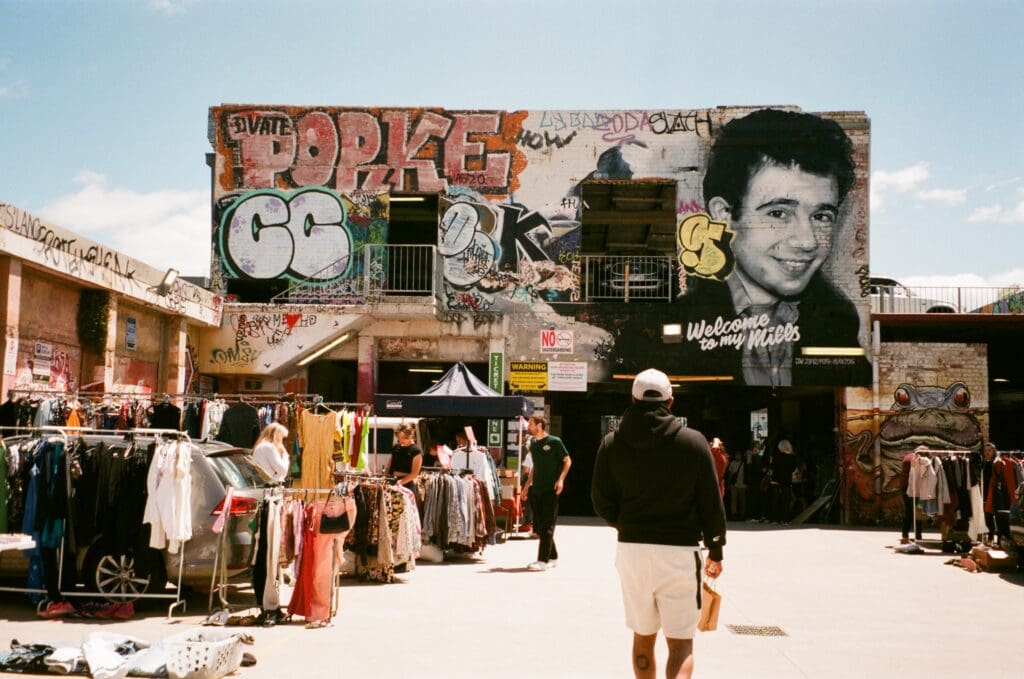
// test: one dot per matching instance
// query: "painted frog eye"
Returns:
(902, 397)
(961, 397)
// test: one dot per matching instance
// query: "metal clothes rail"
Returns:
(63, 433)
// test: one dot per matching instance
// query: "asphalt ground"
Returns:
(847, 604)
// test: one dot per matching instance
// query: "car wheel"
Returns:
(115, 577)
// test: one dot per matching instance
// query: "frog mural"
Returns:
(938, 417)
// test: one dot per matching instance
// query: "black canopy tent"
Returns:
(459, 393)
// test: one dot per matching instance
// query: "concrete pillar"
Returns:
(367, 369)
(110, 352)
(10, 318)
(172, 359)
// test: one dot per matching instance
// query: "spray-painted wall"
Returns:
(512, 217)
(933, 394)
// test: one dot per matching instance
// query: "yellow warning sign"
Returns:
(529, 376)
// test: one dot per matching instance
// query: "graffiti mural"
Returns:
(308, 234)
(940, 417)
(397, 150)
(764, 266)
(494, 255)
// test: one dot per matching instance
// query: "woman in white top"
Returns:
(269, 451)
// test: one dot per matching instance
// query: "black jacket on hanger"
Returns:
(240, 426)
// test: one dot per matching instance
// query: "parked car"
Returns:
(642, 276)
(215, 466)
(890, 296)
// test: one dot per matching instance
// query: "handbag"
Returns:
(710, 605)
(338, 523)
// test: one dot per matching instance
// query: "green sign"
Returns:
(496, 381)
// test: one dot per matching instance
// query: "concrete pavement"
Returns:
(848, 605)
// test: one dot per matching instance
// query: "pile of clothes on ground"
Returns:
(108, 655)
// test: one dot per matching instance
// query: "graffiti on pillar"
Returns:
(311, 234)
(495, 254)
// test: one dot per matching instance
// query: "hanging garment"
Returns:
(240, 426)
(317, 433)
(168, 507)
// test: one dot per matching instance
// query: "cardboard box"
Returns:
(995, 560)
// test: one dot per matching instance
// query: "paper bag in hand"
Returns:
(710, 605)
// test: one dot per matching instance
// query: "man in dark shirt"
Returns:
(655, 482)
(551, 463)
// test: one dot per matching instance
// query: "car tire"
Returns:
(114, 577)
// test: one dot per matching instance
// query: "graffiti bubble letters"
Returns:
(704, 247)
(396, 150)
(266, 234)
(457, 228)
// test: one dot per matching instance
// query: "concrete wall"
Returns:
(935, 394)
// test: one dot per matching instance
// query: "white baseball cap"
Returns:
(652, 385)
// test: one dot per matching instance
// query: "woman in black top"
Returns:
(406, 457)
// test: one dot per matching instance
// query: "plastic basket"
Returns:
(203, 654)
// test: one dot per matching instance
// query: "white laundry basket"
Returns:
(203, 654)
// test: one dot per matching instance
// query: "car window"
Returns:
(238, 469)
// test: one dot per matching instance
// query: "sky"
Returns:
(103, 104)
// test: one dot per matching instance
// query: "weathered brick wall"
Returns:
(933, 394)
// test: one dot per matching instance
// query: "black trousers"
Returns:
(908, 517)
(545, 515)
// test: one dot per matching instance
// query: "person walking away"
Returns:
(721, 458)
(269, 451)
(753, 474)
(655, 482)
(551, 463)
(783, 464)
(736, 486)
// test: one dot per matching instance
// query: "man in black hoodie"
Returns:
(655, 482)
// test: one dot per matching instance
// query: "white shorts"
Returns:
(660, 586)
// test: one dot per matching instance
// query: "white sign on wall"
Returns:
(556, 341)
(42, 359)
(11, 357)
(567, 376)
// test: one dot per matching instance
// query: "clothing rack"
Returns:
(944, 452)
(63, 432)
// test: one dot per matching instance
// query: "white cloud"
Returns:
(899, 181)
(16, 90)
(164, 228)
(944, 196)
(1005, 182)
(170, 6)
(998, 214)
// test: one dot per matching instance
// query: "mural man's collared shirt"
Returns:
(771, 364)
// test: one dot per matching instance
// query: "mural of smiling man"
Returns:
(777, 179)
(757, 291)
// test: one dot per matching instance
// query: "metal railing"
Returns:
(627, 278)
(373, 272)
(888, 299)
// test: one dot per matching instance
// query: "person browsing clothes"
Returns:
(269, 451)
(655, 482)
(406, 456)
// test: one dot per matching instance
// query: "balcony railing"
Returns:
(887, 299)
(639, 277)
(373, 272)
